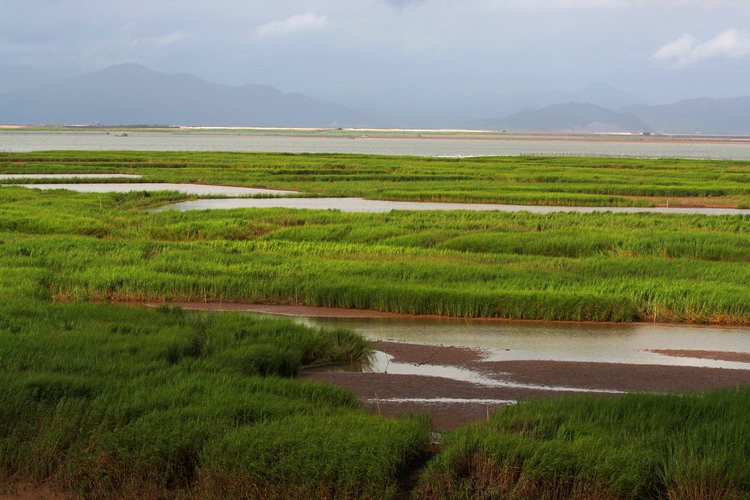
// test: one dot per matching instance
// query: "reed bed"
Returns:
(101, 401)
(688, 446)
(107, 401)
(521, 180)
(562, 266)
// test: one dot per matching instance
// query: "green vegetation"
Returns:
(564, 266)
(519, 180)
(686, 446)
(101, 400)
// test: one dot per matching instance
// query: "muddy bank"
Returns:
(456, 402)
(742, 357)
(296, 310)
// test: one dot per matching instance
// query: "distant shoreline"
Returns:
(396, 133)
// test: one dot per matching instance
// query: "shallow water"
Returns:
(516, 340)
(382, 362)
(69, 176)
(372, 206)
(15, 141)
(199, 189)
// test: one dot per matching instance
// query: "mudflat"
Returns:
(453, 403)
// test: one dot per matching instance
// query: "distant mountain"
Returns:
(133, 94)
(130, 94)
(14, 78)
(600, 94)
(710, 116)
(572, 116)
(413, 107)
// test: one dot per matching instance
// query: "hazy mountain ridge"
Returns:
(714, 116)
(572, 116)
(132, 94)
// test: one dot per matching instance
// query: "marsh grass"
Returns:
(114, 401)
(563, 266)
(103, 401)
(688, 446)
(522, 180)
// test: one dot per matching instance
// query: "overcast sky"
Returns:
(660, 50)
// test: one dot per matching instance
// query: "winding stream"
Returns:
(372, 206)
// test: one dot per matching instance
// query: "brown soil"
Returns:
(422, 354)
(742, 357)
(29, 492)
(375, 389)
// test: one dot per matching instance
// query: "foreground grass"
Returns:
(682, 446)
(519, 180)
(103, 401)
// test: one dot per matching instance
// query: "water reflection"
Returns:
(509, 340)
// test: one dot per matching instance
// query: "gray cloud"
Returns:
(688, 49)
(344, 50)
(400, 4)
(294, 24)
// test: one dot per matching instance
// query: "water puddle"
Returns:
(361, 205)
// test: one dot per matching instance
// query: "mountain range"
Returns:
(133, 94)
(129, 94)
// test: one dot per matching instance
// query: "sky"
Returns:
(659, 50)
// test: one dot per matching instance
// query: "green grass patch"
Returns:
(636, 446)
(518, 180)
(103, 401)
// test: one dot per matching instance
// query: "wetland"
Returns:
(105, 400)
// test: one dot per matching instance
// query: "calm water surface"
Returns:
(509, 340)
(529, 340)
(69, 176)
(372, 206)
(448, 146)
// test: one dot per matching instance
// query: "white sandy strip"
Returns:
(444, 400)
(70, 176)
(199, 189)
(383, 363)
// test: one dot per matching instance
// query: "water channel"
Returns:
(372, 206)
(278, 199)
(502, 340)
(69, 176)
